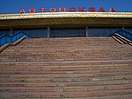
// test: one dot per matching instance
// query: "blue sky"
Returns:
(13, 6)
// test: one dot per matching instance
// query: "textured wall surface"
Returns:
(66, 18)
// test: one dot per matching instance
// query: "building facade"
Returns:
(66, 24)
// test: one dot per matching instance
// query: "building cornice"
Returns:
(39, 20)
(66, 15)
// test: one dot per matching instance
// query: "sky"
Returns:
(14, 6)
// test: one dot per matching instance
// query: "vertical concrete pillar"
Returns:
(11, 31)
(48, 32)
(86, 28)
(123, 28)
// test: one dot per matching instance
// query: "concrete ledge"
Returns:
(67, 15)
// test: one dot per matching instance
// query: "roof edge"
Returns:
(66, 15)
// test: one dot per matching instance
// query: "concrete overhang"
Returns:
(105, 19)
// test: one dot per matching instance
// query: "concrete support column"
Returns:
(86, 28)
(123, 28)
(11, 31)
(48, 32)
